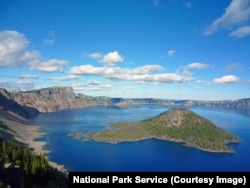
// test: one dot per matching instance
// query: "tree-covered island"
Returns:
(176, 124)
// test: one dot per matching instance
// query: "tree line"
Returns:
(20, 165)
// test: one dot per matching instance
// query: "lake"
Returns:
(150, 155)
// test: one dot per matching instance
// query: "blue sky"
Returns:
(172, 49)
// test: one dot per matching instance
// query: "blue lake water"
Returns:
(149, 155)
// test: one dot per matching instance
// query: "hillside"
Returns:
(20, 167)
(176, 124)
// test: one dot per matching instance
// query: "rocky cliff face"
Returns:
(10, 105)
(54, 99)
(241, 103)
(45, 100)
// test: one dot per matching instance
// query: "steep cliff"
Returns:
(8, 104)
(46, 100)
(52, 99)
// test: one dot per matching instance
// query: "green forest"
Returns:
(21, 166)
(193, 130)
(179, 125)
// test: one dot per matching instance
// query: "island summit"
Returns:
(176, 124)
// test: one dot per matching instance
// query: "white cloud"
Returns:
(128, 89)
(234, 66)
(52, 65)
(65, 78)
(226, 79)
(111, 71)
(197, 65)
(97, 85)
(161, 78)
(95, 55)
(171, 52)
(17, 86)
(112, 58)
(14, 52)
(78, 86)
(145, 73)
(51, 38)
(146, 69)
(87, 70)
(241, 32)
(236, 14)
(29, 76)
(91, 85)
(14, 49)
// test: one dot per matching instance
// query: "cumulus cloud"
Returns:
(236, 14)
(197, 65)
(112, 58)
(109, 71)
(51, 38)
(241, 32)
(147, 69)
(147, 73)
(161, 78)
(87, 70)
(14, 49)
(14, 52)
(52, 65)
(109, 59)
(226, 79)
(171, 52)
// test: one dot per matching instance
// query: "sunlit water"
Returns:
(148, 155)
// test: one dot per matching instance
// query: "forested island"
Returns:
(176, 124)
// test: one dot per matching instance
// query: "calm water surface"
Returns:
(148, 155)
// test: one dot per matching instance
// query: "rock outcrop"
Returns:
(52, 99)
(44, 100)
(9, 104)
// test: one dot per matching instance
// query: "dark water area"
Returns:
(150, 155)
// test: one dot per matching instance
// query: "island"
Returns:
(176, 124)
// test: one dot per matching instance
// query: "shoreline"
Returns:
(24, 132)
(183, 142)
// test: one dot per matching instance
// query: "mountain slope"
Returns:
(176, 124)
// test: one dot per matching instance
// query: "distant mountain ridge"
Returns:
(52, 99)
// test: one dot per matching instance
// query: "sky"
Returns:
(167, 49)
